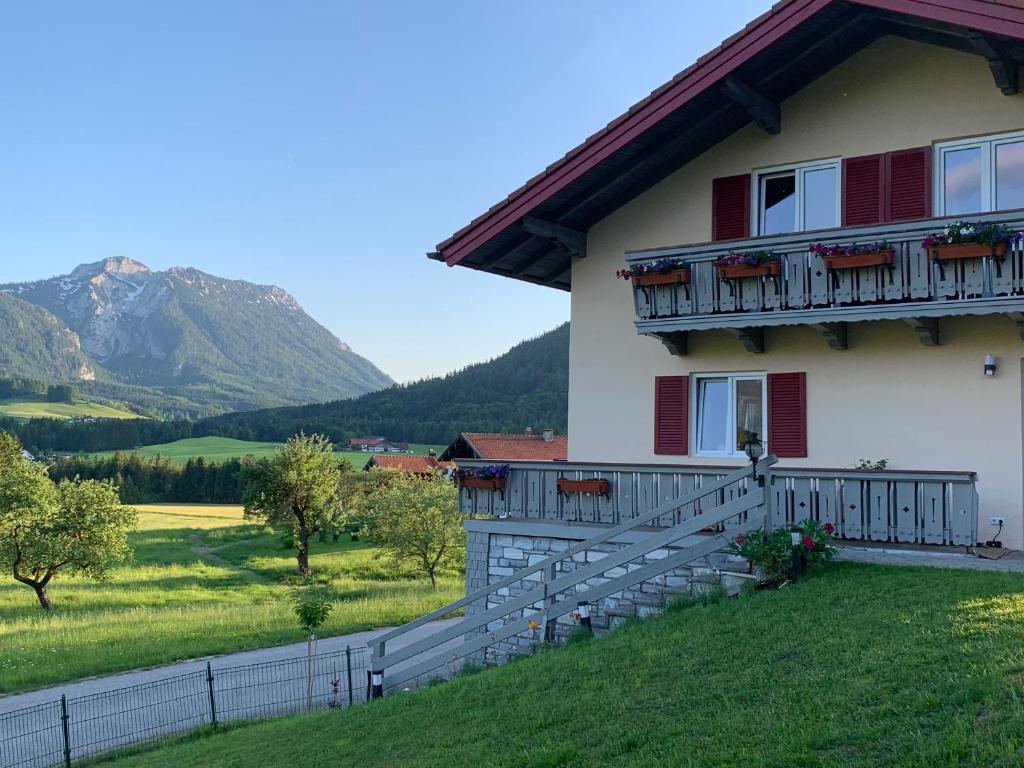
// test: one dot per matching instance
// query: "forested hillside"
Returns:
(527, 386)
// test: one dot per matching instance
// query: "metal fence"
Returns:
(63, 731)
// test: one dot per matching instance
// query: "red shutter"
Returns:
(787, 415)
(730, 207)
(908, 175)
(863, 190)
(671, 414)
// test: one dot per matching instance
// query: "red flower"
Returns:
(808, 542)
(829, 528)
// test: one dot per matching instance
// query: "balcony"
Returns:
(882, 506)
(913, 289)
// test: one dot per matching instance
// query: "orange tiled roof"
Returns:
(408, 463)
(494, 447)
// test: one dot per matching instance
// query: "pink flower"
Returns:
(739, 538)
(808, 542)
(829, 528)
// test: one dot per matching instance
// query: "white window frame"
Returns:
(799, 170)
(730, 426)
(987, 145)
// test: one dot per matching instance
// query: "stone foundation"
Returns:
(498, 548)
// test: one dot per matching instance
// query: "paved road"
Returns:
(116, 710)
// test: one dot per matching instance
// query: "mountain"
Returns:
(199, 342)
(526, 387)
(33, 342)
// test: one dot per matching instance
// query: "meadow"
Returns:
(203, 581)
(28, 408)
(220, 448)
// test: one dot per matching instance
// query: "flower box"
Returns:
(734, 271)
(955, 251)
(594, 485)
(484, 484)
(675, 277)
(856, 260)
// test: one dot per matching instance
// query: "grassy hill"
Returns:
(220, 448)
(27, 408)
(863, 667)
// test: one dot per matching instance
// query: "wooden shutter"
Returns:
(787, 415)
(730, 207)
(864, 190)
(908, 174)
(671, 415)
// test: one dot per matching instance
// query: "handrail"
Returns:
(695, 495)
(562, 607)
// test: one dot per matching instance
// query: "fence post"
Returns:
(65, 729)
(213, 702)
(348, 671)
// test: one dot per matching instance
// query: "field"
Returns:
(25, 408)
(220, 448)
(861, 667)
(204, 581)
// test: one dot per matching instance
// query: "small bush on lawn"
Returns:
(773, 552)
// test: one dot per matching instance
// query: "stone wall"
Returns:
(499, 548)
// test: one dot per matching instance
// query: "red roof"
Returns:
(497, 447)
(999, 17)
(418, 465)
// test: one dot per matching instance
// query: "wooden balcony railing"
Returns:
(805, 292)
(864, 505)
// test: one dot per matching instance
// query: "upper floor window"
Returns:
(797, 198)
(980, 175)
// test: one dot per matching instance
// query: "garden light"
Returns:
(583, 609)
(754, 449)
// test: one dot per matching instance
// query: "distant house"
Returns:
(26, 455)
(413, 465)
(490, 446)
(376, 444)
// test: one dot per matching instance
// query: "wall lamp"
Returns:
(990, 365)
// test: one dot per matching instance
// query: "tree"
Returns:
(312, 604)
(297, 487)
(416, 522)
(77, 527)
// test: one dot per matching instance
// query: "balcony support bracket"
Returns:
(1018, 318)
(763, 110)
(751, 338)
(676, 342)
(927, 329)
(835, 334)
(1005, 70)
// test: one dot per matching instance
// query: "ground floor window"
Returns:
(729, 408)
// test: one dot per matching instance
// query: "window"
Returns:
(797, 198)
(980, 175)
(728, 409)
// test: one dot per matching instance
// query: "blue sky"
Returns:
(320, 146)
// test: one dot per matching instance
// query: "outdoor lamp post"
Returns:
(754, 448)
(583, 609)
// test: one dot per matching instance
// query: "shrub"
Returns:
(773, 552)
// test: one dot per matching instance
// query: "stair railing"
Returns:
(545, 595)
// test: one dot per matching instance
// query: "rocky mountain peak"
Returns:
(112, 265)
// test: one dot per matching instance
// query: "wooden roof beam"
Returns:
(1005, 70)
(764, 111)
(572, 240)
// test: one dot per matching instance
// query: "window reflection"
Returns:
(1010, 176)
(962, 180)
(820, 199)
(778, 204)
(749, 410)
(713, 414)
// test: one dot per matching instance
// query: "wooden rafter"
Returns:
(764, 111)
(1005, 69)
(572, 240)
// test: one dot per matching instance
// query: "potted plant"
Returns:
(489, 478)
(878, 254)
(595, 485)
(754, 264)
(971, 240)
(660, 272)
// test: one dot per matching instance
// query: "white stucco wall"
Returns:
(887, 396)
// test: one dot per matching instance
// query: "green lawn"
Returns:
(220, 448)
(864, 666)
(24, 408)
(203, 581)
